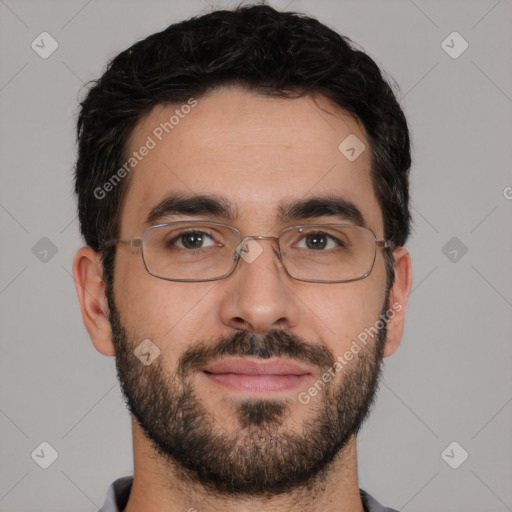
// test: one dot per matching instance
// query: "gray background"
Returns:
(449, 381)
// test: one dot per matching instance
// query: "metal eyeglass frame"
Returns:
(139, 242)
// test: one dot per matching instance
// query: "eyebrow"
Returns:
(288, 211)
(186, 204)
(318, 206)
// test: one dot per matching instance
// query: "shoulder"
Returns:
(371, 504)
(117, 495)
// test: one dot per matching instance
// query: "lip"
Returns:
(243, 374)
(251, 367)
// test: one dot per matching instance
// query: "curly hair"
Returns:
(283, 54)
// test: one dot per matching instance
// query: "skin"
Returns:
(255, 151)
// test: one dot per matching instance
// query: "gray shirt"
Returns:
(119, 491)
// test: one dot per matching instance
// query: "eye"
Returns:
(193, 240)
(319, 241)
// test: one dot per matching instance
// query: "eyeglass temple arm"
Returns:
(134, 242)
(387, 244)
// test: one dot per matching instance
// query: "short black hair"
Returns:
(283, 54)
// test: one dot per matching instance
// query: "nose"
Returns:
(257, 296)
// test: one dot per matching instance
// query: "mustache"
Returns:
(274, 343)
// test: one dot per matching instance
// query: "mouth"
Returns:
(256, 376)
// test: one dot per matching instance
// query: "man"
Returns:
(242, 185)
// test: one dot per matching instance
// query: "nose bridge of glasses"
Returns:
(241, 247)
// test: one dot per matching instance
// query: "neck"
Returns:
(161, 486)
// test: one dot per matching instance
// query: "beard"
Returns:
(260, 457)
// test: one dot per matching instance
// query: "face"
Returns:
(232, 431)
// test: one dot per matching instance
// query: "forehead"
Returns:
(255, 152)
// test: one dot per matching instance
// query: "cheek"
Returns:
(132, 288)
(342, 311)
(153, 307)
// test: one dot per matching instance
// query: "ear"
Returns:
(399, 294)
(87, 273)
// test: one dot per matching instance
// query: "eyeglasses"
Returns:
(192, 251)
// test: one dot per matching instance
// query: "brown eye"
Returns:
(319, 241)
(192, 240)
(316, 241)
